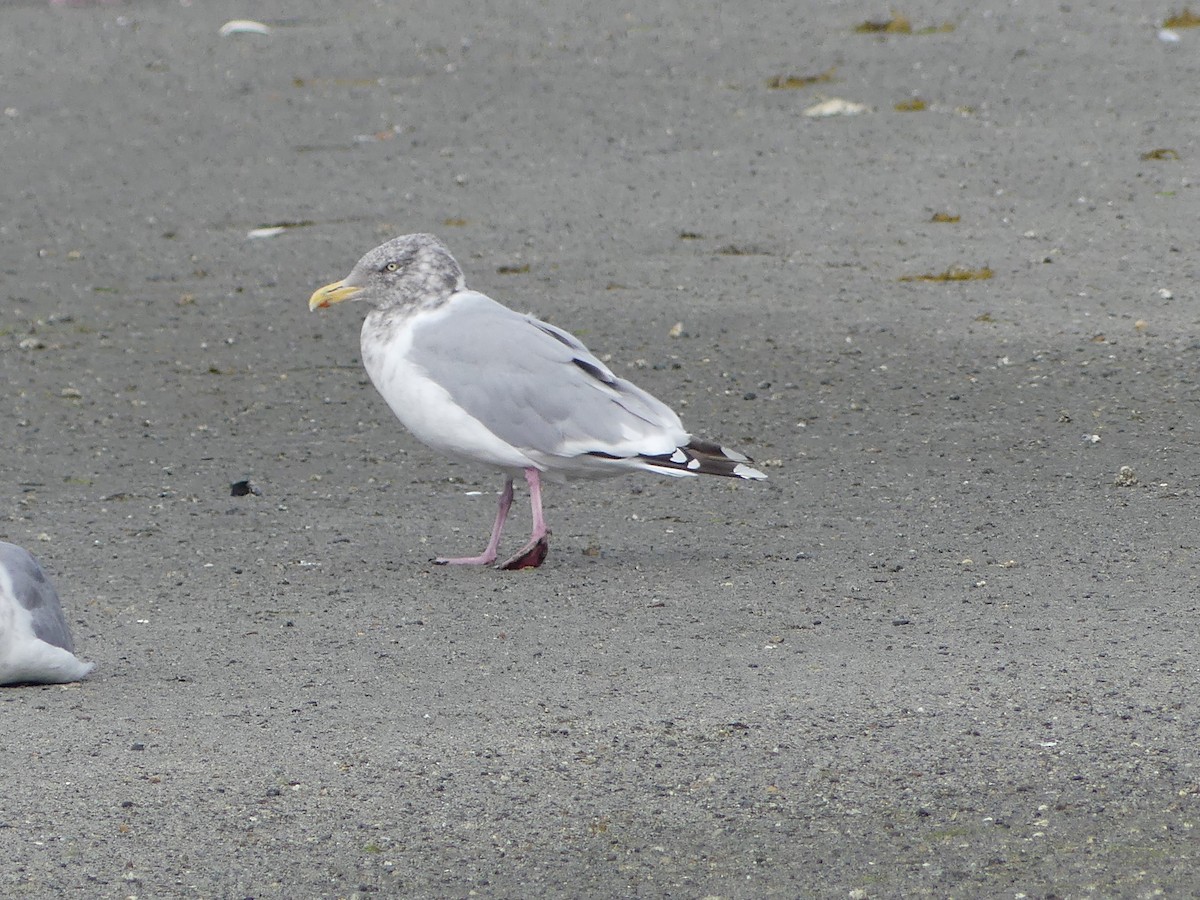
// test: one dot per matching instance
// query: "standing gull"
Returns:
(35, 642)
(476, 380)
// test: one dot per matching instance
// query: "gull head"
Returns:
(414, 270)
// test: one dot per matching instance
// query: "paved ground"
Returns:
(940, 653)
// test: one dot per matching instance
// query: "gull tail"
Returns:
(698, 457)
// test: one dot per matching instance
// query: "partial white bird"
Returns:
(35, 642)
(475, 380)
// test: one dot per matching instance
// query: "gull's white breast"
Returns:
(422, 405)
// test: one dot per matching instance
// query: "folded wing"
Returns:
(538, 387)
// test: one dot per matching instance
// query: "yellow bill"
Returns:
(330, 294)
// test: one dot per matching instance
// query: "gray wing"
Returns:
(33, 590)
(537, 386)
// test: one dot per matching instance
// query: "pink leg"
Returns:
(488, 556)
(534, 553)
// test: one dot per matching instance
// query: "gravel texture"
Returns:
(947, 650)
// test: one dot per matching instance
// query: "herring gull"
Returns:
(35, 642)
(475, 380)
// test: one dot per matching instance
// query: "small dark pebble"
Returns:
(900, 620)
(749, 395)
(242, 488)
(137, 746)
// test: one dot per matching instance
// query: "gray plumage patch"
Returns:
(414, 271)
(36, 594)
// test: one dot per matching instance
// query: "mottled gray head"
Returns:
(414, 270)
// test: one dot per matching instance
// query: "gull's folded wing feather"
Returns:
(536, 386)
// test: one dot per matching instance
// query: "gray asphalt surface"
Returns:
(940, 653)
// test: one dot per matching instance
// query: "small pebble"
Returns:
(244, 488)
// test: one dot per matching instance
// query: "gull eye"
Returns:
(391, 267)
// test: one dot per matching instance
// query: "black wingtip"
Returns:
(706, 458)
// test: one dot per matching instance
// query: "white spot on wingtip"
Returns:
(693, 464)
(679, 457)
(734, 455)
(742, 471)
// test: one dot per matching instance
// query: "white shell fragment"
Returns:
(267, 232)
(1167, 36)
(835, 106)
(243, 26)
